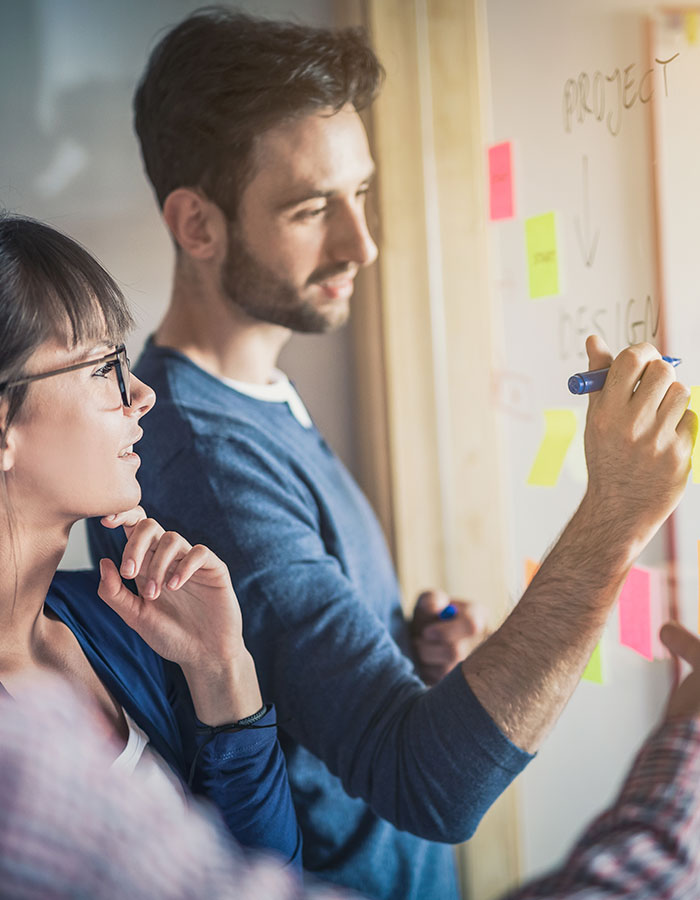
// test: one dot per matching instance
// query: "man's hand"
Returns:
(639, 440)
(684, 702)
(440, 644)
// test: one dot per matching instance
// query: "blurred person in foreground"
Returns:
(166, 662)
(72, 827)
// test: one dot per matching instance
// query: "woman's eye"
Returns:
(104, 370)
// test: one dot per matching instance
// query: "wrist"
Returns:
(224, 691)
(606, 540)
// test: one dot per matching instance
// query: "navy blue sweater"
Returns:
(242, 773)
(381, 768)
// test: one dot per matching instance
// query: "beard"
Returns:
(262, 295)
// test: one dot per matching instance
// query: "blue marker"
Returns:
(449, 612)
(587, 382)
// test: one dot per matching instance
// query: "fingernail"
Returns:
(128, 568)
(150, 591)
(113, 516)
(174, 581)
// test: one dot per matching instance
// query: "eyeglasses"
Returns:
(118, 356)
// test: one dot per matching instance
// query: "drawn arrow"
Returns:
(587, 246)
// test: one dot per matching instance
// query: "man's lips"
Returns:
(337, 287)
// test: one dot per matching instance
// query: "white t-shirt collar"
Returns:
(279, 390)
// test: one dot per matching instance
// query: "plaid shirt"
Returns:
(70, 828)
(647, 845)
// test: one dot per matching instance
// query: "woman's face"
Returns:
(69, 449)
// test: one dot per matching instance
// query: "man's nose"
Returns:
(351, 241)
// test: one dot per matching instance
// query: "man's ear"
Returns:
(197, 224)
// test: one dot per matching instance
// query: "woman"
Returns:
(167, 665)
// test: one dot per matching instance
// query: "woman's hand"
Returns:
(186, 610)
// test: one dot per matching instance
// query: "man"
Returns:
(250, 135)
(70, 828)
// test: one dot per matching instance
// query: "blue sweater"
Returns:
(381, 768)
(242, 773)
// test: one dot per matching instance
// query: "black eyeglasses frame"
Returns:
(118, 355)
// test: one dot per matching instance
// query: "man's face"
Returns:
(301, 235)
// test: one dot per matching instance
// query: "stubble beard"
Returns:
(262, 295)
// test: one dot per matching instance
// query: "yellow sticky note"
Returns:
(691, 28)
(542, 255)
(559, 431)
(594, 670)
(695, 406)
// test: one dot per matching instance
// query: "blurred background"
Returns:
(68, 156)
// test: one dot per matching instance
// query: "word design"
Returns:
(630, 322)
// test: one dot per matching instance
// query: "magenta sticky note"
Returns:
(635, 614)
(501, 181)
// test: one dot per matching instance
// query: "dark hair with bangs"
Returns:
(50, 287)
(221, 78)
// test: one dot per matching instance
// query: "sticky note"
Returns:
(634, 613)
(691, 27)
(542, 255)
(695, 406)
(531, 568)
(559, 431)
(501, 181)
(594, 670)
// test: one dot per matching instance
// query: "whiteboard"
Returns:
(575, 88)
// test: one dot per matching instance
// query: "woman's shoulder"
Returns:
(74, 599)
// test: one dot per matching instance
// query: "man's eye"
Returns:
(310, 213)
(104, 370)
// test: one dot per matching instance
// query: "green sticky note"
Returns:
(542, 255)
(594, 670)
(695, 406)
(559, 431)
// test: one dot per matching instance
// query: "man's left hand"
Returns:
(440, 644)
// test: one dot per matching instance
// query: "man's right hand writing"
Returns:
(639, 440)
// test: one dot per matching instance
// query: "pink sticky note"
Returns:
(501, 181)
(635, 613)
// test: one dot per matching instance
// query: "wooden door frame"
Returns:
(425, 338)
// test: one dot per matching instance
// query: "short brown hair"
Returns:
(221, 78)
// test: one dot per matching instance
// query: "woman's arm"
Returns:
(187, 612)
